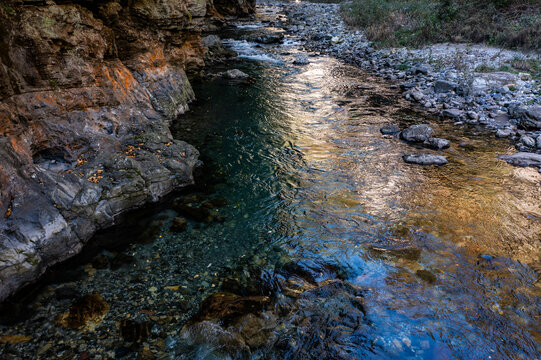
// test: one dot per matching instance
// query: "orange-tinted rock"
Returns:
(86, 98)
(85, 313)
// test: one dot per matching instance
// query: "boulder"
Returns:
(503, 133)
(437, 143)
(425, 159)
(527, 141)
(444, 86)
(271, 38)
(523, 159)
(234, 74)
(416, 133)
(452, 113)
(529, 116)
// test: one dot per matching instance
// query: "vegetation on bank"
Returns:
(512, 24)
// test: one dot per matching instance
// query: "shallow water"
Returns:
(443, 256)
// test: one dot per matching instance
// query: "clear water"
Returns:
(307, 176)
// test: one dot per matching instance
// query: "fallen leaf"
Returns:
(15, 339)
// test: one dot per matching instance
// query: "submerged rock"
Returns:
(425, 159)
(417, 133)
(437, 143)
(85, 313)
(179, 224)
(134, 331)
(234, 74)
(389, 129)
(227, 307)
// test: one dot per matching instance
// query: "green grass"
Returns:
(506, 23)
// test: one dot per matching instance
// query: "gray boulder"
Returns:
(452, 113)
(425, 159)
(272, 38)
(527, 141)
(437, 143)
(234, 74)
(538, 142)
(444, 86)
(523, 159)
(417, 133)
(503, 133)
(529, 116)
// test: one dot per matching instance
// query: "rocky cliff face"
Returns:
(87, 91)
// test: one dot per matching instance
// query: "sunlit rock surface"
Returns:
(87, 94)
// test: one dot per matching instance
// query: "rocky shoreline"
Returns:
(443, 79)
(87, 94)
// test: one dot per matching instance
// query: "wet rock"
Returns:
(301, 60)
(197, 213)
(134, 331)
(426, 275)
(409, 253)
(417, 133)
(389, 129)
(179, 224)
(215, 51)
(538, 142)
(437, 143)
(227, 307)
(234, 74)
(272, 38)
(87, 108)
(120, 260)
(425, 159)
(145, 354)
(523, 159)
(85, 313)
(443, 86)
(211, 338)
(257, 330)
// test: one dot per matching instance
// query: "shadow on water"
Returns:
(311, 238)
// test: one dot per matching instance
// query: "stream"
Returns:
(311, 214)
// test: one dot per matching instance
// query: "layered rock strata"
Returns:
(87, 92)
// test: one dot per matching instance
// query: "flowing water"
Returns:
(429, 262)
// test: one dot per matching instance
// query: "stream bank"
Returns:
(470, 84)
(308, 236)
